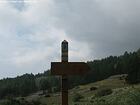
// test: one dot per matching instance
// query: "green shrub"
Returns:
(77, 97)
(10, 102)
(103, 92)
(36, 102)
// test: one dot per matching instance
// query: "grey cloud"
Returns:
(109, 27)
(94, 28)
(17, 4)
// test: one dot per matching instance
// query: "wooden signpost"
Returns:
(66, 68)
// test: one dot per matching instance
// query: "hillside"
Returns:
(113, 83)
(111, 91)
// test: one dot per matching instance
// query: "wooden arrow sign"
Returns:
(69, 68)
(66, 68)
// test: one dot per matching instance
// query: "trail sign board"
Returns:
(69, 68)
(66, 68)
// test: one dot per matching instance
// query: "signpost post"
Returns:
(65, 68)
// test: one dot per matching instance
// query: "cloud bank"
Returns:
(31, 32)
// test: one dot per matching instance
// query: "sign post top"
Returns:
(64, 41)
(64, 48)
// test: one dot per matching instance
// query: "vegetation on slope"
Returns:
(111, 91)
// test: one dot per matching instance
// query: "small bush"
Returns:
(103, 92)
(77, 97)
(55, 89)
(47, 95)
(93, 88)
(10, 102)
(77, 87)
(36, 102)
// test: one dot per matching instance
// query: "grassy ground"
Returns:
(118, 86)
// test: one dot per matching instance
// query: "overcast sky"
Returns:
(31, 31)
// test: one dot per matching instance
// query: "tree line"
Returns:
(128, 63)
(27, 84)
